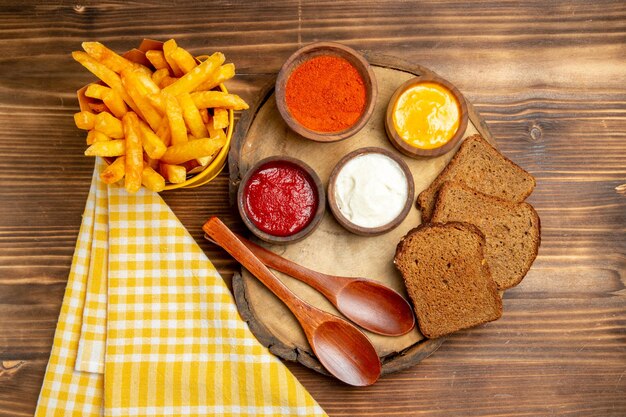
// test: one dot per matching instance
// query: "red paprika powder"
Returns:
(326, 94)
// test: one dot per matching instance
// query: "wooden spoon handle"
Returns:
(326, 284)
(224, 237)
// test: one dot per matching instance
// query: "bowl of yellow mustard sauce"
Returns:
(426, 117)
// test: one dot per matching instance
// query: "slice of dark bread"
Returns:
(512, 230)
(481, 167)
(447, 277)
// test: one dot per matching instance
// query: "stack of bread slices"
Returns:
(477, 237)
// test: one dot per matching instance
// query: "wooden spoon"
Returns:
(340, 347)
(371, 305)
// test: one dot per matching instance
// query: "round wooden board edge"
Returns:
(391, 363)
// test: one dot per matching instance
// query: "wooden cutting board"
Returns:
(260, 133)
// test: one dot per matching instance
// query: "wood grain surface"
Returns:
(548, 77)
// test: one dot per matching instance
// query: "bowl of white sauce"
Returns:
(370, 191)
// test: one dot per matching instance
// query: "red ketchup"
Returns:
(280, 198)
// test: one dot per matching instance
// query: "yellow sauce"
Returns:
(426, 115)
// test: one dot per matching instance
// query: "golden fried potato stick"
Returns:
(157, 59)
(115, 103)
(159, 75)
(169, 47)
(94, 136)
(210, 99)
(152, 163)
(204, 113)
(146, 82)
(220, 118)
(134, 153)
(84, 120)
(96, 91)
(107, 76)
(196, 76)
(152, 144)
(215, 133)
(138, 92)
(97, 107)
(108, 148)
(173, 173)
(152, 180)
(223, 73)
(114, 172)
(192, 116)
(174, 113)
(177, 154)
(111, 99)
(107, 57)
(164, 133)
(167, 81)
(185, 61)
(109, 125)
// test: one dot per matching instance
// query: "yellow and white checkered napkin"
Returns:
(175, 344)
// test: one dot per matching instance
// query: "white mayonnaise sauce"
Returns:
(371, 190)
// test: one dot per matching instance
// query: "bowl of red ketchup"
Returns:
(281, 199)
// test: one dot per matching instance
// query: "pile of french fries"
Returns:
(155, 124)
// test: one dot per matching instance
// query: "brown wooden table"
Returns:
(550, 79)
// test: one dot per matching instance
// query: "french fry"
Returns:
(173, 173)
(210, 99)
(139, 94)
(152, 163)
(96, 91)
(97, 107)
(167, 81)
(157, 59)
(220, 118)
(158, 101)
(134, 153)
(192, 165)
(94, 136)
(169, 47)
(159, 75)
(223, 73)
(109, 125)
(111, 99)
(213, 132)
(185, 61)
(115, 103)
(164, 133)
(177, 154)
(174, 114)
(192, 116)
(152, 144)
(204, 113)
(108, 148)
(107, 76)
(107, 57)
(161, 125)
(90, 137)
(114, 172)
(152, 180)
(196, 76)
(146, 81)
(84, 120)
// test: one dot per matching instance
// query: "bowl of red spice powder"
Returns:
(326, 91)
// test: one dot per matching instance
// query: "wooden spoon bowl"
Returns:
(343, 350)
(333, 49)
